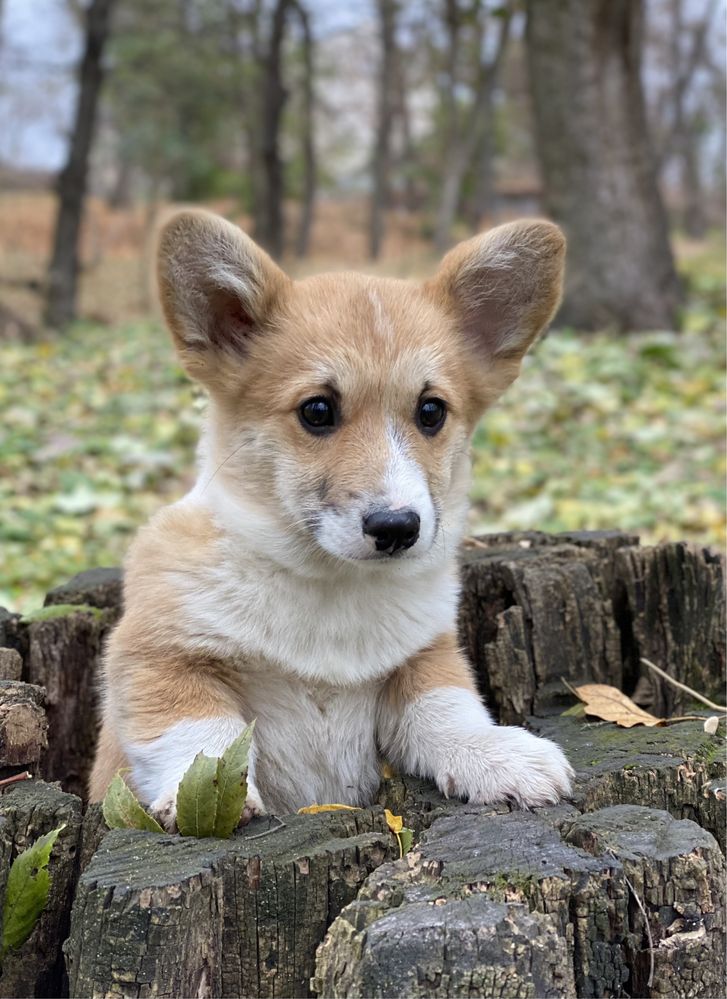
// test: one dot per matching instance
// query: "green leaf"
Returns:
(406, 838)
(197, 798)
(232, 783)
(121, 810)
(26, 893)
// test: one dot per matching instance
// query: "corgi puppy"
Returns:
(309, 580)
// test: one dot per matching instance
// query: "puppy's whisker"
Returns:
(222, 465)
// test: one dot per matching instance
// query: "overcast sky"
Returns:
(39, 49)
(40, 46)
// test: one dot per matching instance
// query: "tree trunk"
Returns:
(120, 194)
(384, 119)
(597, 167)
(308, 127)
(688, 53)
(60, 308)
(464, 131)
(271, 233)
(408, 159)
(694, 216)
(481, 203)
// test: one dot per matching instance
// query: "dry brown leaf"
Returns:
(316, 809)
(611, 704)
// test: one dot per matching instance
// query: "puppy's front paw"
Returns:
(505, 764)
(253, 806)
(164, 810)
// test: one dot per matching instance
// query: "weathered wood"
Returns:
(62, 646)
(679, 768)
(490, 902)
(11, 664)
(531, 614)
(94, 587)
(673, 604)
(160, 914)
(457, 890)
(23, 725)
(8, 629)
(677, 872)
(586, 606)
(27, 811)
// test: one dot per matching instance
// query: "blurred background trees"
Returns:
(443, 115)
(369, 134)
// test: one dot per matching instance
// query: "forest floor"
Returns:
(99, 429)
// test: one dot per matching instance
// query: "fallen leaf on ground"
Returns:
(315, 809)
(711, 725)
(610, 704)
(394, 822)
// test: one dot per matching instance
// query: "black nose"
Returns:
(392, 529)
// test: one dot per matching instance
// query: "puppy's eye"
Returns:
(431, 415)
(317, 415)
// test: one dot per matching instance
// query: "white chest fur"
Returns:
(313, 743)
(347, 629)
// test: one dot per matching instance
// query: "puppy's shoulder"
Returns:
(179, 539)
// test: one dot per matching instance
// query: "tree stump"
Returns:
(61, 647)
(11, 664)
(489, 902)
(680, 768)
(538, 608)
(180, 916)
(29, 810)
(23, 726)
(525, 904)
(95, 588)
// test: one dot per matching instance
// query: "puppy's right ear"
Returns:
(217, 288)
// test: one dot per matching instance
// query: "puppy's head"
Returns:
(342, 405)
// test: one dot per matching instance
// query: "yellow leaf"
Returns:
(394, 822)
(315, 809)
(611, 704)
(387, 771)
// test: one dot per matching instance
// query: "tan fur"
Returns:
(262, 344)
(162, 679)
(109, 760)
(442, 664)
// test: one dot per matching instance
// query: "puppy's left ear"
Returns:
(503, 288)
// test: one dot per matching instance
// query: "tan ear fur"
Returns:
(504, 287)
(216, 287)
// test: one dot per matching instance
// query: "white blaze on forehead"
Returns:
(404, 482)
(382, 323)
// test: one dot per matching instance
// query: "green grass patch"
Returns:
(56, 611)
(100, 426)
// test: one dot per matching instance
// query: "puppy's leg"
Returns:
(432, 723)
(162, 708)
(108, 761)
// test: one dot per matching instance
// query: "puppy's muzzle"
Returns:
(392, 530)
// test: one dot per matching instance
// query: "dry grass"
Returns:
(117, 249)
